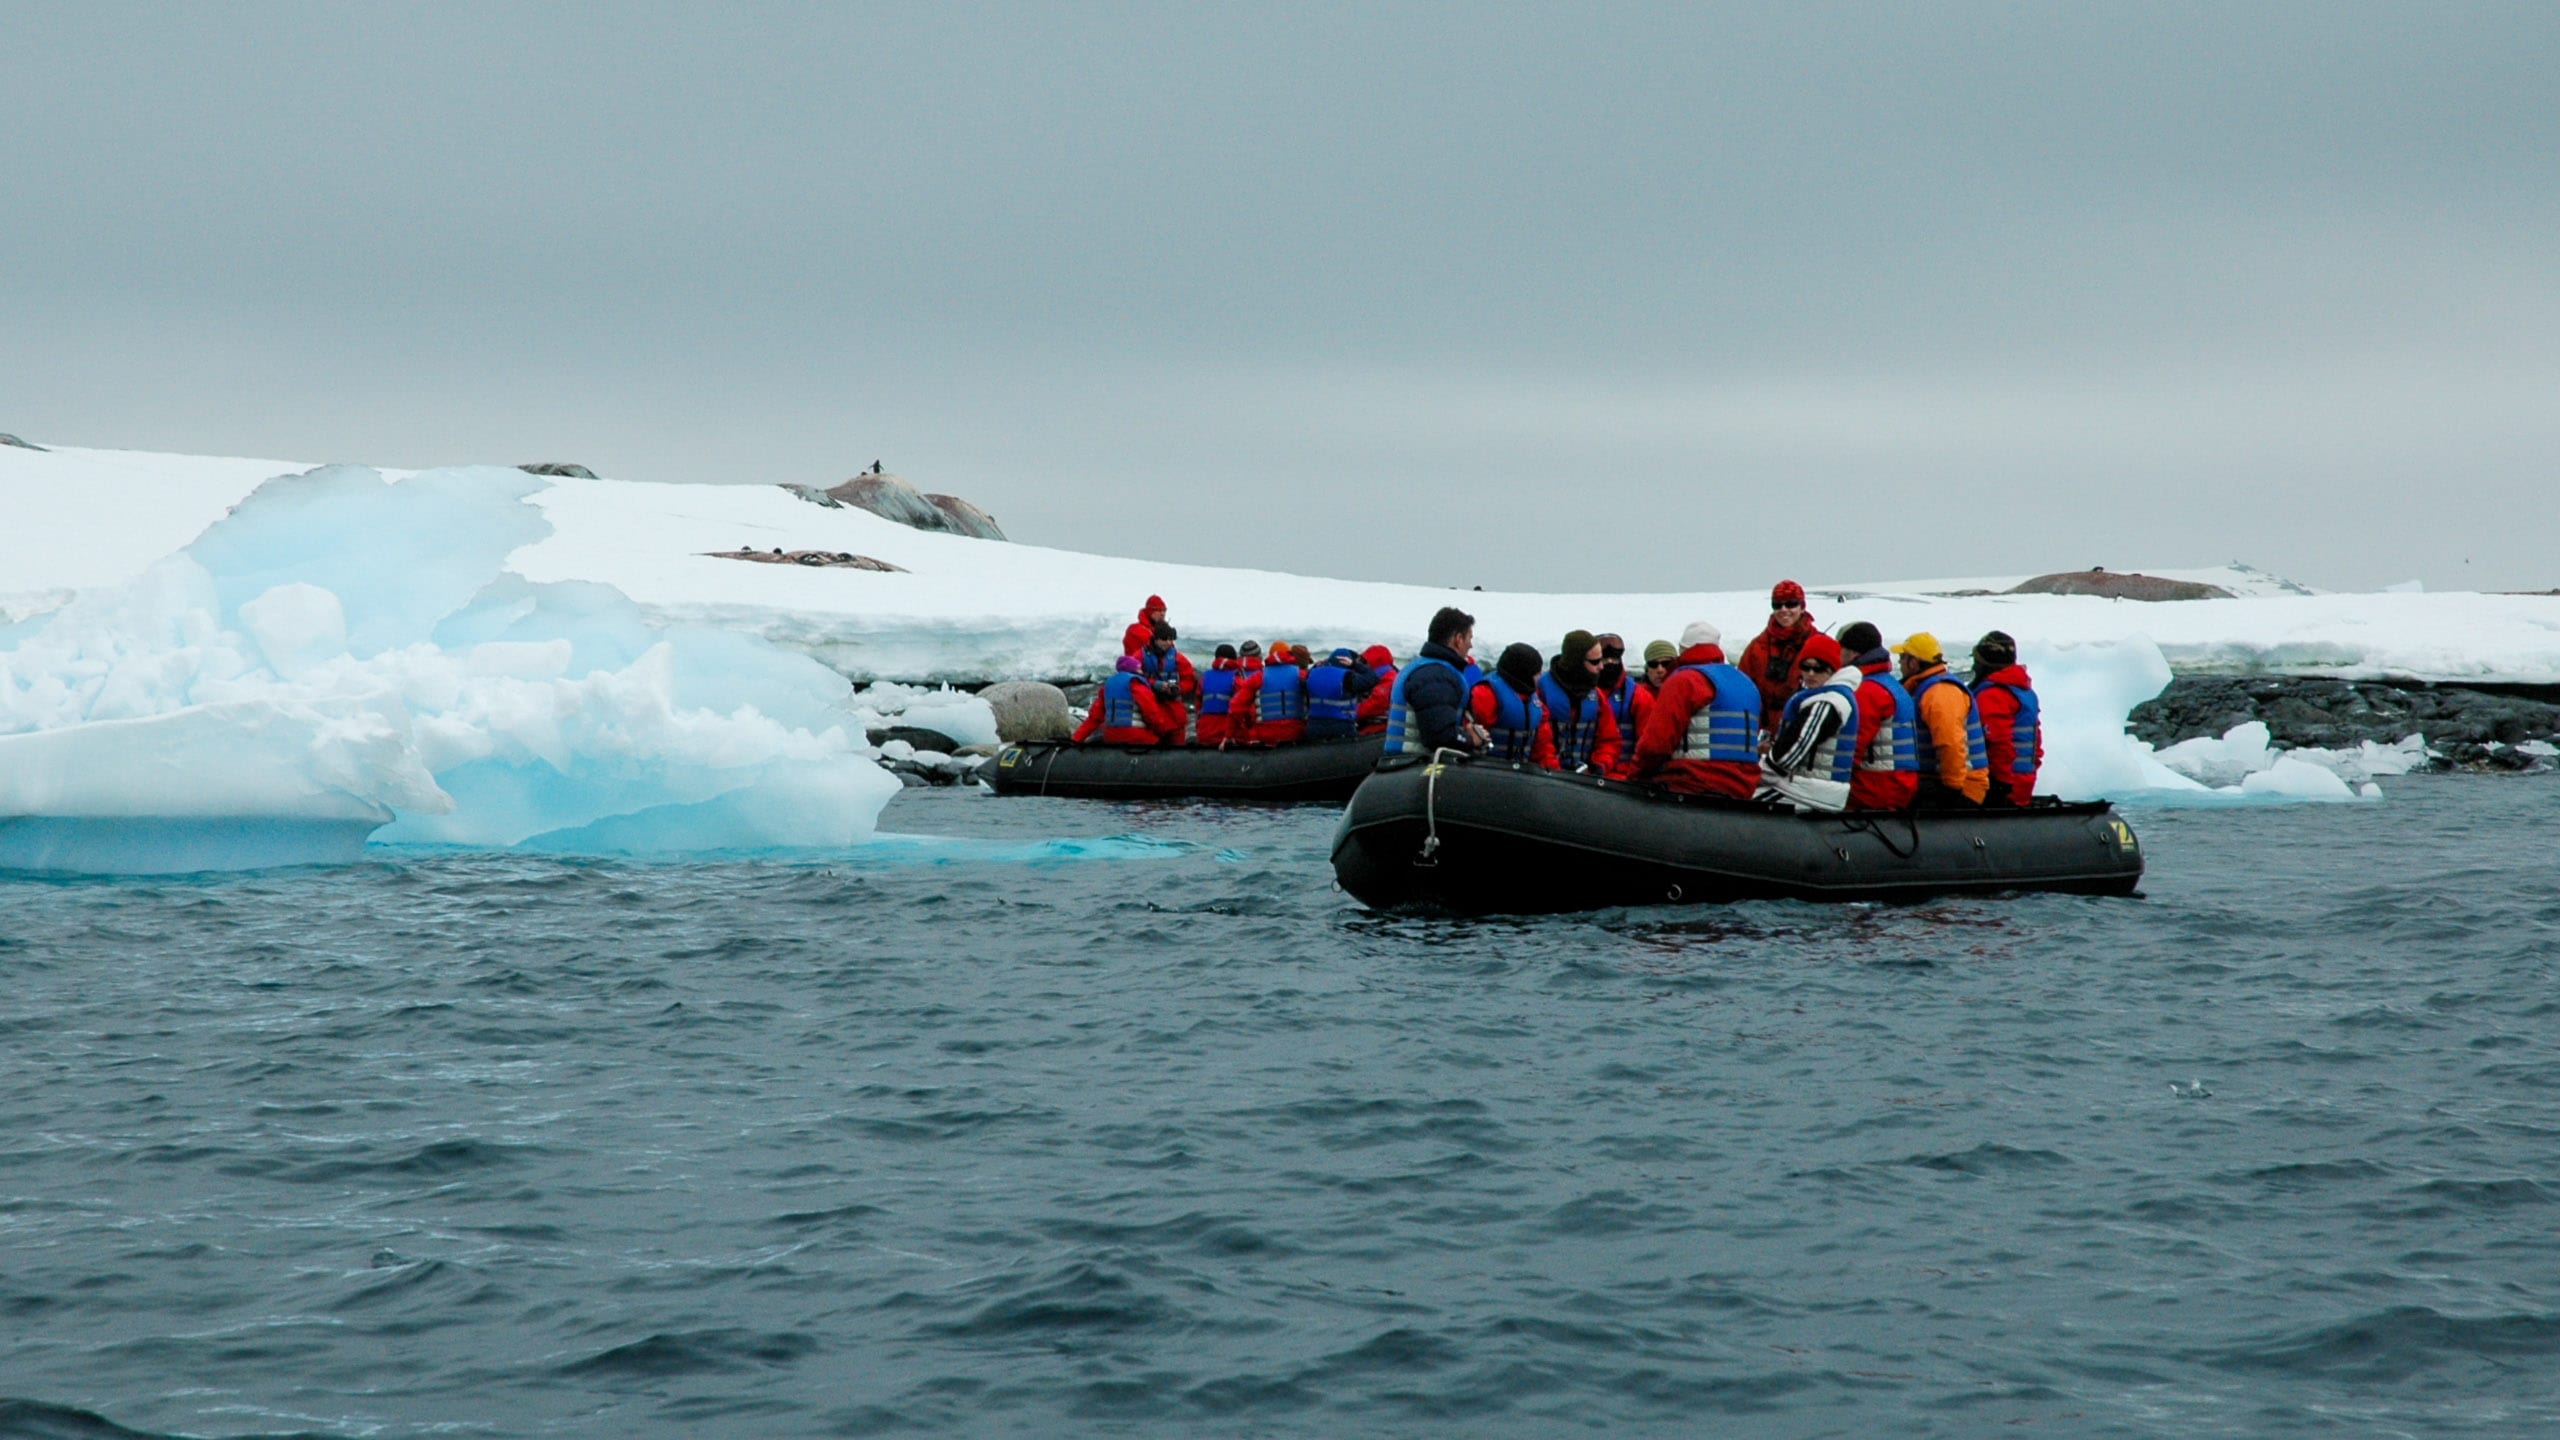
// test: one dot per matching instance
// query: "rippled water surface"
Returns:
(1151, 1132)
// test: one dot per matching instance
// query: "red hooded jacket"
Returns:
(1161, 722)
(1770, 660)
(1666, 724)
(1209, 729)
(1135, 638)
(1999, 711)
(1373, 706)
(1878, 789)
(1486, 708)
(1242, 727)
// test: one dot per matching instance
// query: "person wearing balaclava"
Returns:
(1619, 685)
(2012, 719)
(1506, 705)
(1582, 726)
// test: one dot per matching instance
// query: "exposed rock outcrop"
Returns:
(891, 498)
(823, 559)
(965, 518)
(1029, 710)
(2465, 728)
(2125, 586)
(6, 439)
(561, 469)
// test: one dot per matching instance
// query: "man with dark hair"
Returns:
(1161, 662)
(1427, 709)
(1888, 774)
(2012, 720)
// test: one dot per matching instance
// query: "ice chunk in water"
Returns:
(341, 653)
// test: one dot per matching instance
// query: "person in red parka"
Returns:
(1666, 749)
(1888, 727)
(1506, 708)
(1143, 629)
(1373, 706)
(2003, 696)
(1245, 725)
(1770, 658)
(1217, 693)
(1129, 711)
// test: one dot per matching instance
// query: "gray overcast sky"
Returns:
(1568, 297)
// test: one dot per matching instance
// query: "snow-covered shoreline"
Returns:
(483, 657)
(974, 610)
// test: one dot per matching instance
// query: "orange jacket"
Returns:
(1943, 713)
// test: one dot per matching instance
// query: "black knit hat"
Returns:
(1996, 646)
(1860, 638)
(1520, 664)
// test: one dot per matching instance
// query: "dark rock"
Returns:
(2125, 586)
(815, 496)
(891, 498)
(2466, 728)
(560, 468)
(30, 445)
(965, 518)
(836, 559)
(915, 735)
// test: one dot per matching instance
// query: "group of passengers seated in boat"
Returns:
(1827, 722)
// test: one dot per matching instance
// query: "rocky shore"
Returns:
(2509, 728)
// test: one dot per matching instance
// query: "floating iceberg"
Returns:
(342, 657)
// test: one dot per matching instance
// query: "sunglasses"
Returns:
(1594, 664)
(1613, 652)
(1788, 605)
(1813, 667)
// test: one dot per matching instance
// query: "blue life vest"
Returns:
(1217, 691)
(1120, 701)
(1165, 667)
(2026, 732)
(1577, 727)
(1283, 695)
(1404, 732)
(1896, 748)
(1516, 718)
(1976, 755)
(1837, 760)
(1727, 727)
(1331, 712)
(1473, 675)
(1622, 701)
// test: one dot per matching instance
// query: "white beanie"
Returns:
(1700, 633)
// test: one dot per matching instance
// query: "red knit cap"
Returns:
(1818, 646)
(1784, 591)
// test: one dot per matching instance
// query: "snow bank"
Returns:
(978, 609)
(483, 657)
(341, 656)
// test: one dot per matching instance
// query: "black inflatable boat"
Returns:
(1485, 837)
(1308, 770)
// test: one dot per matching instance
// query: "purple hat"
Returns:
(1129, 665)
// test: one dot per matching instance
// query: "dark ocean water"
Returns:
(1158, 1136)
